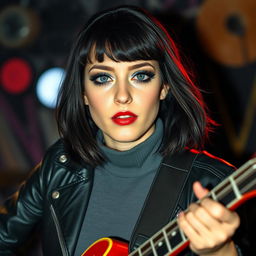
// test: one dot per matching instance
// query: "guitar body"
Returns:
(107, 247)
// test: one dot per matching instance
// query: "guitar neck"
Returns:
(237, 188)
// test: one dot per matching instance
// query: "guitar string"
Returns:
(240, 176)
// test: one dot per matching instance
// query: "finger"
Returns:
(201, 238)
(197, 242)
(208, 226)
(195, 220)
(199, 190)
(203, 221)
(218, 211)
(185, 226)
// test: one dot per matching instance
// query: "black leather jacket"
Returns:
(57, 195)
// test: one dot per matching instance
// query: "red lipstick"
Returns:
(124, 118)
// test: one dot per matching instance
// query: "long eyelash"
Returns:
(94, 77)
(145, 72)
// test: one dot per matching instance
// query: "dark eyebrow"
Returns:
(101, 67)
(143, 64)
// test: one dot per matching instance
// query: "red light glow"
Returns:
(15, 75)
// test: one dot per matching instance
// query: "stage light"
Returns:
(15, 75)
(48, 85)
(19, 26)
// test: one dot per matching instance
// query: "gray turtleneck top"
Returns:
(119, 190)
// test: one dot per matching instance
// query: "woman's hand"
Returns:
(209, 226)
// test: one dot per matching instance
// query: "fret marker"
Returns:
(174, 233)
(160, 244)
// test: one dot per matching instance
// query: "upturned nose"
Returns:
(123, 95)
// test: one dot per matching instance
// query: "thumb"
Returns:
(199, 190)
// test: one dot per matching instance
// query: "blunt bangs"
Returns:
(127, 39)
(128, 33)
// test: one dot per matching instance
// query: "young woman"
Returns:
(126, 102)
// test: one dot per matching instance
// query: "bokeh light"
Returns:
(15, 75)
(48, 85)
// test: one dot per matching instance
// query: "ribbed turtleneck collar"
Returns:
(137, 157)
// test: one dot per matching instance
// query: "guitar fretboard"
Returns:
(228, 192)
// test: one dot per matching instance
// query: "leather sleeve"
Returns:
(20, 214)
(32, 204)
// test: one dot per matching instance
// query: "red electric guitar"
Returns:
(170, 240)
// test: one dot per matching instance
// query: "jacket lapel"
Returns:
(70, 203)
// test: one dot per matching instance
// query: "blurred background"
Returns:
(217, 39)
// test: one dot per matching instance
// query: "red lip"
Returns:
(124, 118)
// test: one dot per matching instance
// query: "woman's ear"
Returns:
(86, 102)
(164, 91)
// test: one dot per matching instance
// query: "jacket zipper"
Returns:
(59, 233)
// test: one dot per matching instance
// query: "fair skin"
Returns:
(114, 87)
(209, 226)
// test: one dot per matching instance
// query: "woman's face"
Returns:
(123, 99)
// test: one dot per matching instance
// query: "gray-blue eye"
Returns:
(100, 79)
(143, 76)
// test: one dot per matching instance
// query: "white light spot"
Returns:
(48, 86)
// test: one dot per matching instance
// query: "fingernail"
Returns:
(180, 214)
